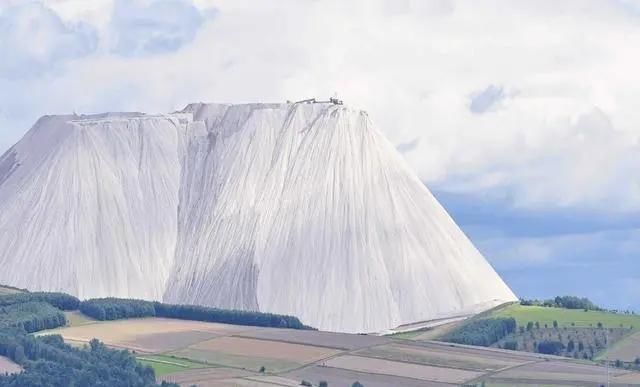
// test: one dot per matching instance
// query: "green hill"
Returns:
(567, 317)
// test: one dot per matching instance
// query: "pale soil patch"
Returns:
(438, 358)
(251, 363)
(317, 338)
(270, 381)
(76, 318)
(632, 378)
(628, 349)
(556, 371)
(408, 370)
(266, 349)
(205, 377)
(148, 334)
(439, 331)
(345, 378)
(8, 366)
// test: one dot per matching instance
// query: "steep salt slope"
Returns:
(88, 204)
(307, 210)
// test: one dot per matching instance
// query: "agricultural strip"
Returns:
(253, 353)
(206, 377)
(344, 377)
(164, 365)
(562, 372)
(321, 339)
(8, 366)
(408, 370)
(148, 334)
(439, 357)
(628, 349)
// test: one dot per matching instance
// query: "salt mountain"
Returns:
(300, 209)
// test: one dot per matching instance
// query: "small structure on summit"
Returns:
(332, 100)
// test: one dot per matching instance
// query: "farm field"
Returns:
(4, 290)
(627, 349)
(253, 354)
(164, 365)
(565, 317)
(8, 366)
(148, 335)
(562, 373)
(217, 355)
(438, 357)
(402, 369)
(323, 339)
(75, 318)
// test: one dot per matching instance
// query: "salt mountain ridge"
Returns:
(300, 209)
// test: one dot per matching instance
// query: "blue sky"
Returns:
(521, 116)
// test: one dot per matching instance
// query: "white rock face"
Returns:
(88, 205)
(301, 209)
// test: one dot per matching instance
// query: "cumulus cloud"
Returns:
(158, 27)
(34, 40)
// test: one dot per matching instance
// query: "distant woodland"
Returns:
(48, 361)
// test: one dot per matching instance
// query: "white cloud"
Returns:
(34, 40)
(564, 132)
(155, 28)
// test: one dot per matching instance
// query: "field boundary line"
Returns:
(296, 343)
(424, 364)
(492, 373)
(391, 375)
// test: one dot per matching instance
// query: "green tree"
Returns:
(357, 384)
(323, 384)
(555, 324)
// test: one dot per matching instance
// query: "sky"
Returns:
(521, 116)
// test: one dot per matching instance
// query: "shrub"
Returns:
(549, 347)
(511, 345)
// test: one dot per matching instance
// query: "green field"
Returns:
(565, 317)
(164, 365)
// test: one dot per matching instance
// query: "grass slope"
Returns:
(565, 317)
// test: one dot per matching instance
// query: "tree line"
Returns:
(117, 308)
(48, 361)
(31, 316)
(482, 332)
(566, 302)
(61, 301)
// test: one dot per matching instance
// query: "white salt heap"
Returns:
(300, 209)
